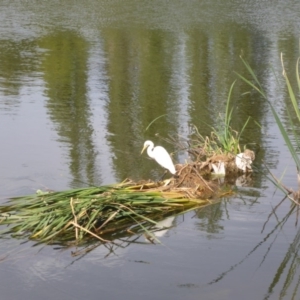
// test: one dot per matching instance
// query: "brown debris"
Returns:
(191, 178)
(194, 179)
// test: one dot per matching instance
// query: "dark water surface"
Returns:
(79, 84)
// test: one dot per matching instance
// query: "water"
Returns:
(79, 85)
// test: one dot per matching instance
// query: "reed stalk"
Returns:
(96, 212)
(255, 84)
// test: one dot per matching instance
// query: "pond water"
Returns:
(79, 84)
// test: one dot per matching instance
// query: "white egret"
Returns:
(161, 156)
(219, 168)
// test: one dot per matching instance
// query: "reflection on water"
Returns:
(64, 66)
(184, 77)
(79, 85)
(209, 259)
(18, 62)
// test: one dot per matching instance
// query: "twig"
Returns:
(203, 181)
(292, 199)
(91, 233)
(110, 217)
(288, 190)
(179, 173)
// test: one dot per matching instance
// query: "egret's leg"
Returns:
(166, 171)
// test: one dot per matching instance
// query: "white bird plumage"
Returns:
(160, 155)
(244, 160)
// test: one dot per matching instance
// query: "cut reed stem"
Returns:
(53, 217)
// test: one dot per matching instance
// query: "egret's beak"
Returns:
(143, 149)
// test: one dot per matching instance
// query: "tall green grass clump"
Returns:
(223, 139)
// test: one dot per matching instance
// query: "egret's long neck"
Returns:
(150, 151)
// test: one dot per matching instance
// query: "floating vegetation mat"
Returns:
(102, 213)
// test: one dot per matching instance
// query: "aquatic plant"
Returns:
(95, 212)
(255, 84)
(223, 138)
